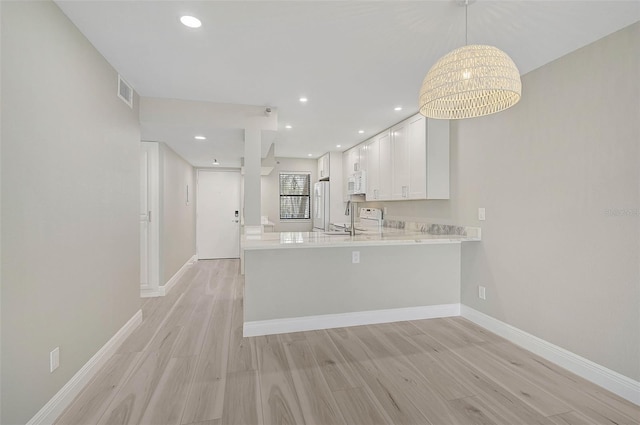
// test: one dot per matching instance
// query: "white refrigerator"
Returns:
(320, 206)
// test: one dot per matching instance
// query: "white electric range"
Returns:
(370, 221)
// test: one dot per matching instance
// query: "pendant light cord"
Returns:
(466, 23)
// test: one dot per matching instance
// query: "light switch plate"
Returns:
(482, 292)
(481, 214)
(355, 257)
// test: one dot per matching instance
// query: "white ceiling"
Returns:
(354, 60)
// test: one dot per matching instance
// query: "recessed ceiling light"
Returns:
(398, 108)
(338, 146)
(303, 99)
(288, 127)
(190, 21)
(200, 138)
(360, 131)
(309, 154)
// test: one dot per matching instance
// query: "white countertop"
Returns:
(286, 240)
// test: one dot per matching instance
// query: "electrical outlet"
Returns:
(54, 359)
(482, 292)
(355, 257)
(481, 214)
(384, 211)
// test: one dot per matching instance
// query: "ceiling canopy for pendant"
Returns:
(470, 81)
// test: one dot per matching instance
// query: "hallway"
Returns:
(187, 363)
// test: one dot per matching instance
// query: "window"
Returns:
(295, 196)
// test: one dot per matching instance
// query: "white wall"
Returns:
(270, 187)
(178, 221)
(70, 173)
(555, 263)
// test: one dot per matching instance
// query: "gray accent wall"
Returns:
(178, 221)
(559, 176)
(299, 282)
(70, 178)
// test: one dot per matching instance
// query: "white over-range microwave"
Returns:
(357, 183)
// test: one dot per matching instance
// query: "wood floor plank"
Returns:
(91, 404)
(434, 373)
(592, 401)
(317, 404)
(391, 399)
(503, 402)
(358, 408)
(471, 410)
(335, 369)
(525, 390)
(473, 329)
(168, 401)
(191, 340)
(132, 400)
(404, 376)
(206, 395)
(570, 418)
(280, 404)
(211, 422)
(151, 324)
(242, 352)
(241, 399)
(448, 335)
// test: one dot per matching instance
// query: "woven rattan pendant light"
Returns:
(470, 81)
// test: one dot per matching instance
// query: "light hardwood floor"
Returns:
(188, 363)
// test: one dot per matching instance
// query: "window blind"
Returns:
(295, 196)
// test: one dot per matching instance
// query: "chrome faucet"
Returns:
(346, 212)
(352, 228)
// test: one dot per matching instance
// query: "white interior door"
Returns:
(148, 216)
(218, 214)
(144, 217)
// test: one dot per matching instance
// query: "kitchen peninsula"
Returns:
(297, 281)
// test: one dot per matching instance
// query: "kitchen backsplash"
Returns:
(432, 228)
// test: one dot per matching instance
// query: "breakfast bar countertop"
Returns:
(388, 236)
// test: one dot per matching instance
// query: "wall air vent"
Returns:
(125, 92)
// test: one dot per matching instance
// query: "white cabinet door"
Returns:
(373, 169)
(347, 170)
(323, 167)
(400, 160)
(362, 156)
(385, 174)
(417, 147)
(420, 158)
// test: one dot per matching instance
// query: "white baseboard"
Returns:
(63, 398)
(164, 289)
(147, 291)
(615, 382)
(328, 321)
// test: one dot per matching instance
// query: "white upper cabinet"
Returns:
(400, 160)
(385, 166)
(353, 160)
(362, 155)
(378, 152)
(420, 150)
(373, 169)
(323, 167)
(348, 164)
(408, 161)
